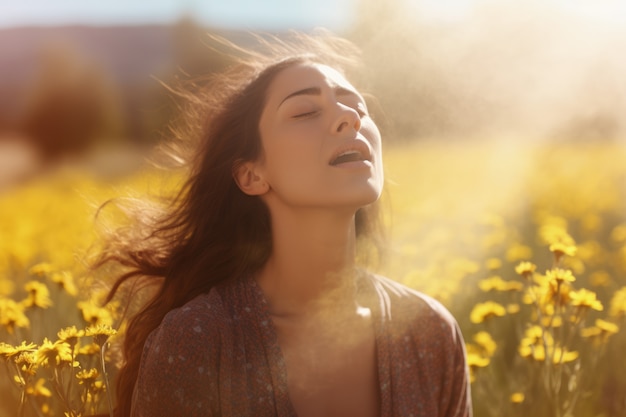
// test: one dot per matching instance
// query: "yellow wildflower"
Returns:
(6, 287)
(12, 315)
(493, 264)
(39, 389)
(559, 249)
(65, 280)
(70, 335)
(38, 295)
(51, 354)
(601, 332)
(560, 275)
(87, 377)
(535, 335)
(517, 397)
(517, 252)
(475, 360)
(89, 349)
(600, 279)
(8, 352)
(535, 352)
(100, 333)
(618, 303)
(618, 234)
(486, 342)
(585, 299)
(562, 355)
(525, 269)
(41, 270)
(512, 308)
(498, 284)
(552, 321)
(93, 314)
(484, 311)
(27, 361)
(607, 326)
(554, 230)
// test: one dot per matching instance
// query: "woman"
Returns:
(262, 309)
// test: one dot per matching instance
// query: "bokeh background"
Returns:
(505, 131)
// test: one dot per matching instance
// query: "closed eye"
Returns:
(306, 114)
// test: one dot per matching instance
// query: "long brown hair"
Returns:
(210, 231)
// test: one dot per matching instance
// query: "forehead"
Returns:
(305, 75)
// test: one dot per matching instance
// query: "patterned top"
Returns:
(218, 355)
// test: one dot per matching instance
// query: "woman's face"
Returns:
(321, 149)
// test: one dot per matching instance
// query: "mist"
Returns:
(532, 69)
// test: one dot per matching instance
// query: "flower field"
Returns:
(526, 245)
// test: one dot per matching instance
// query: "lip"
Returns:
(357, 145)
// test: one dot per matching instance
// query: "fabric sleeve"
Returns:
(456, 397)
(178, 370)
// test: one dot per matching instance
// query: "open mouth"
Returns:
(348, 156)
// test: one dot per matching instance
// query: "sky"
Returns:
(247, 14)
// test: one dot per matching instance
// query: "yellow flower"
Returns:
(12, 315)
(65, 280)
(7, 351)
(39, 389)
(512, 308)
(517, 252)
(607, 326)
(493, 264)
(552, 321)
(600, 279)
(93, 314)
(559, 249)
(618, 303)
(535, 352)
(498, 284)
(484, 311)
(100, 333)
(6, 287)
(601, 332)
(585, 299)
(532, 344)
(517, 397)
(89, 349)
(563, 356)
(618, 234)
(27, 361)
(485, 341)
(51, 354)
(38, 295)
(526, 269)
(87, 377)
(560, 275)
(475, 360)
(70, 335)
(41, 270)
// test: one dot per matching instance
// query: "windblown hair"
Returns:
(210, 231)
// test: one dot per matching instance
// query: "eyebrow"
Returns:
(316, 91)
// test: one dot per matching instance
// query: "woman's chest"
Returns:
(332, 372)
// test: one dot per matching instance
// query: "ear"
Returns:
(248, 179)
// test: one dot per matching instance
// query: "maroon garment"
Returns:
(218, 355)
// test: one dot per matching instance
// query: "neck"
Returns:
(311, 267)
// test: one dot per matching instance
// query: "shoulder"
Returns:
(180, 361)
(408, 309)
(200, 316)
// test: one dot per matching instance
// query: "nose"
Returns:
(348, 118)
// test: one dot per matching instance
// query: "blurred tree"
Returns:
(71, 105)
